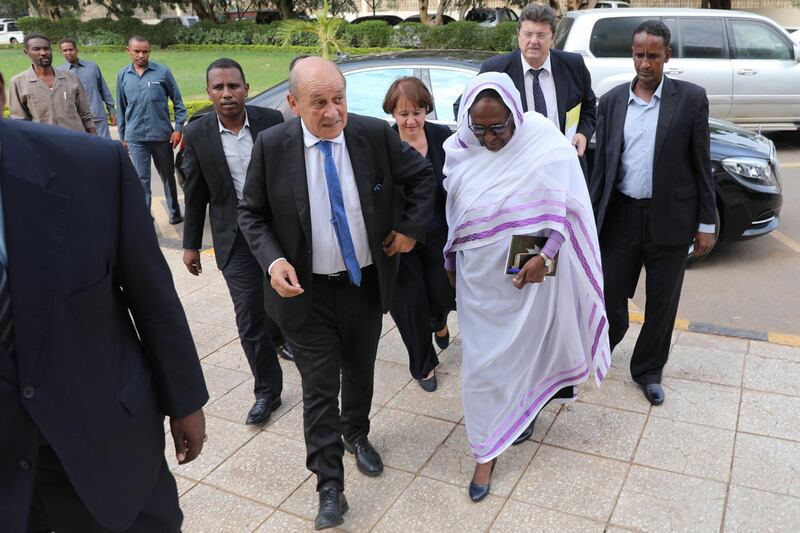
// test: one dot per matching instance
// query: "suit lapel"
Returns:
(213, 136)
(517, 76)
(36, 221)
(560, 80)
(296, 168)
(669, 100)
(617, 128)
(256, 124)
(361, 161)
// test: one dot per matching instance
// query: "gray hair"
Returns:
(538, 13)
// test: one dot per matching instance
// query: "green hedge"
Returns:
(371, 34)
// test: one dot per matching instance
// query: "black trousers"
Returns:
(340, 337)
(626, 245)
(422, 299)
(258, 333)
(57, 507)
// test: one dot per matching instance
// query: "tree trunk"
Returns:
(440, 11)
(204, 10)
(285, 7)
(423, 12)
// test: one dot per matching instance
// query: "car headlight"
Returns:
(754, 170)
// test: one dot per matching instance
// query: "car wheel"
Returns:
(717, 227)
(12, 41)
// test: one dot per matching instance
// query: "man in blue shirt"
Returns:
(144, 89)
(97, 91)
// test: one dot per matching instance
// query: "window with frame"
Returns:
(756, 40)
(612, 37)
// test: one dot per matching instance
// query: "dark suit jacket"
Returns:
(209, 182)
(103, 349)
(274, 213)
(683, 188)
(572, 79)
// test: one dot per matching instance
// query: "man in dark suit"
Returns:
(551, 82)
(318, 212)
(94, 346)
(653, 197)
(215, 157)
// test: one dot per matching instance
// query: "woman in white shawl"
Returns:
(527, 338)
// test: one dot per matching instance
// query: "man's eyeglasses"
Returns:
(497, 129)
(540, 36)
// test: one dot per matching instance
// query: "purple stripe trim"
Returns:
(479, 88)
(583, 262)
(598, 332)
(513, 209)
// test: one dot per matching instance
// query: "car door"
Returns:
(700, 55)
(766, 74)
(446, 85)
(366, 88)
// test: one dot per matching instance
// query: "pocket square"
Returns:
(378, 187)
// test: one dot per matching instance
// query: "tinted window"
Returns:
(447, 85)
(701, 38)
(481, 16)
(612, 37)
(754, 40)
(12, 26)
(366, 89)
(562, 32)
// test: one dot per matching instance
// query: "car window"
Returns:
(512, 16)
(755, 40)
(366, 89)
(447, 85)
(562, 32)
(701, 38)
(611, 37)
(12, 26)
(504, 16)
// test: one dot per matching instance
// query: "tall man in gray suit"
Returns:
(653, 197)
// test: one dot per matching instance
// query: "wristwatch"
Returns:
(548, 264)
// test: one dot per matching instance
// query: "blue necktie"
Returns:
(540, 106)
(6, 319)
(339, 217)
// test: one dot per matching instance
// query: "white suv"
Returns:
(10, 33)
(748, 65)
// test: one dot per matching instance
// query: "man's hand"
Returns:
(125, 145)
(397, 243)
(188, 433)
(452, 277)
(284, 279)
(112, 120)
(703, 243)
(579, 142)
(175, 140)
(533, 272)
(191, 258)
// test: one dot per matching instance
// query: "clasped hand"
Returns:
(533, 272)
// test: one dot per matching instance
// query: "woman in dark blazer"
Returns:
(423, 296)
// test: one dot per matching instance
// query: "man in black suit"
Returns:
(551, 82)
(318, 212)
(653, 197)
(94, 346)
(215, 157)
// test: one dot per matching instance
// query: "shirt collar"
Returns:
(30, 74)
(546, 66)
(246, 124)
(309, 139)
(632, 96)
(80, 63)
(150, 66)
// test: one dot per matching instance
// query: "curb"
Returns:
(772, 337)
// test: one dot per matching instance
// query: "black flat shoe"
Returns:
(261, 410)
(175, 219)
(368, 461)
(525, 435)
(429, 384)
(332, 505)
(654, 393)
(442, 342)
(479, 492)
(285, 352)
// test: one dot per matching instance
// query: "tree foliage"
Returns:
(325, 28)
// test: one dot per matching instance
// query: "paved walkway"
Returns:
(721, 454)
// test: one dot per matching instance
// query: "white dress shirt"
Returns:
(548, 85)
(327, 256)
(237, 147)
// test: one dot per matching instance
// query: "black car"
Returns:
(391, 20)
(415, 18)
(744, 164)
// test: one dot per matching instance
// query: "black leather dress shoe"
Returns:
(261, 410)
(368, 460)
(332, 505)
(525, 435)
(175, 219)
(442, 342)
(285, 352)
(654, 393)
(479, 492)
(429, 384)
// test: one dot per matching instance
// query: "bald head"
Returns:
(317, 95)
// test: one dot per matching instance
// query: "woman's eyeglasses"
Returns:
(497, 129)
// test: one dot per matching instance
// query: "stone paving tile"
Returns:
(596, 429)
(773, 368)
(280, 522)
(705, 364)
(621, 356)
(699, 403)
(618, 390)
(767, 463)
(572, 482)
(453, 463)
(716, 342)
(519, 517)
(444, 403)
(387, 324)
(392, 349)
(220, 381)
(405, 440)
(210, 510)
(235, 405)
(184, 484)
(772, 415)
(224, 438)
(208, 339)
(450, 359)
(685, 448)
(290, 424)
(369, 498)
(267, 469)
(210, 305)
(753, 510)
(544, 420)
(232, 356)
(390, 378)
(653, 500)
(430, 505)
